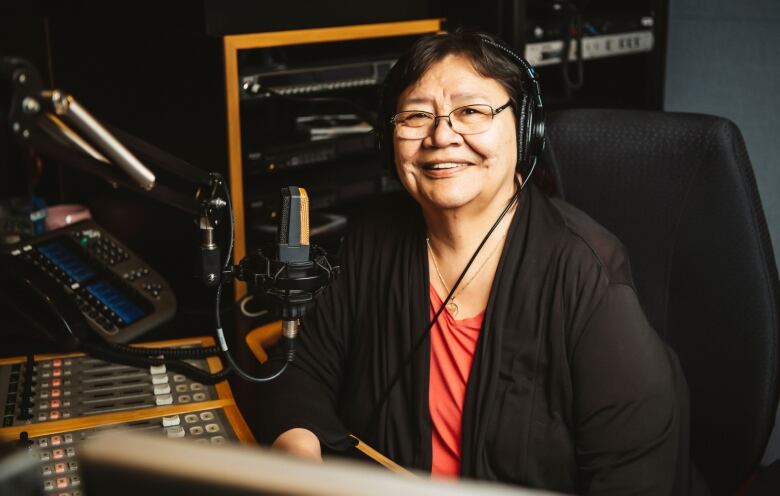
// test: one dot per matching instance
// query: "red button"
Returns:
(56, 440)
(58, 453)
(55, 393)
(54, 415)
(56, 372)
(57, 362)
(59, 468)
(55, 403)
(62, 482)
(56, 382)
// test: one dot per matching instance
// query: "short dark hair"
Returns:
(487, 60)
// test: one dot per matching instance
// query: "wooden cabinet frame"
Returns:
(233, 43)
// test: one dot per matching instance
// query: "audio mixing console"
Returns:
(52, 404)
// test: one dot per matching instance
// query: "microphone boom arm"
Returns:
(41, 119)
(67, 107)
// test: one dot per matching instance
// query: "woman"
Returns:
(542, 369)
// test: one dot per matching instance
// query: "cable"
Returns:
(290, 352)
(247, 313)
(177, 353)
(572, 22)
(225, 189)
(99, 350)
(171, 357)
(289, 356)
(140, 357)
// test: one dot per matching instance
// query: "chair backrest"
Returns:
(679, 191)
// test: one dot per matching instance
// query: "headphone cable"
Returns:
(415, 348)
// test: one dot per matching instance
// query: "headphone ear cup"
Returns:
(530, 115)
(536, 139)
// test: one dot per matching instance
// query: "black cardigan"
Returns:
(570, 388)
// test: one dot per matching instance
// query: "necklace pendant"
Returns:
(452, 307)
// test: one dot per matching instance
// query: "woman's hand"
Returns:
(299, 442)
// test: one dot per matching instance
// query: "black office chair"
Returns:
(679, 191)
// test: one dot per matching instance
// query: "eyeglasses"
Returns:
(469, 119)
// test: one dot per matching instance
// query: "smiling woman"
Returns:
(444, 168)
(488, 329)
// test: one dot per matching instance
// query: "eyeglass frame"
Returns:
(436, 118)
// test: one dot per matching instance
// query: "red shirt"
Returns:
(452, 350)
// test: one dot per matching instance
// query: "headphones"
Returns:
(529, 112)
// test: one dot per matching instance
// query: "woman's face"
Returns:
(446, 170)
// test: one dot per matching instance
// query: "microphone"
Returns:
(289, 282)
(298, 273)
(293, 235)
(292, 242)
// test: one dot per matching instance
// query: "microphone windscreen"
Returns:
(293, 233)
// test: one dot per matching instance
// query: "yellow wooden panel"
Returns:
(67, 425)
(239, 425)
(338, 33)
(260, 338)
(235, 162)
(379, 457)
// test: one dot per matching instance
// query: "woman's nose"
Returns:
(443, 134)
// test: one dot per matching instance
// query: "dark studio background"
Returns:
(723, 58)
(155, 70)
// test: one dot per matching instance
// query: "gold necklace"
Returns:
(451, 305)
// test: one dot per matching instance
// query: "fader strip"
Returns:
(83, 386)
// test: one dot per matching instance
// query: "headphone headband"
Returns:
(527, 69)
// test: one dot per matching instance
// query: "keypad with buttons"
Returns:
(135, 274)
(117, 293)
(107, 250)
(58, 453)
(153, 288)
(99, 297)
